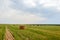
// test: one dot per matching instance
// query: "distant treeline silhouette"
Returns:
(44, 24)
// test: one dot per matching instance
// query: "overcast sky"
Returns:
(30, 11)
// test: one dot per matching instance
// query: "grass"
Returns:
(36, 32)
(2, 32)
(31, 32)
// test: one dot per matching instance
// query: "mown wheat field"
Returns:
(31, 32)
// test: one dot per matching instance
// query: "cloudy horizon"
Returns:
(29, 11)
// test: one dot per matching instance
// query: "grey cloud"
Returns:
(47, 12)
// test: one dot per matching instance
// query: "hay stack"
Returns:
(21, 27)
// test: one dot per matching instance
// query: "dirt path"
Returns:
(8, 35)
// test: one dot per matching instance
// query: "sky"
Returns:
(29, 11)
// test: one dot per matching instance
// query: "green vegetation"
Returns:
(35, 32)
(31, 32)
(2, 32)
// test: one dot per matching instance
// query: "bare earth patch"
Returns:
(8, 35)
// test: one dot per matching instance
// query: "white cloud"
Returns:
(50, 3)
(30, 3)
(45, 3)
(22, 17)
(17, 15)
(28, 17)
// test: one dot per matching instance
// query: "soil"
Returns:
(8, 35)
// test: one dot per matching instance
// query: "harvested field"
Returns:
(36, 32)
(13, 32)
(8, 35)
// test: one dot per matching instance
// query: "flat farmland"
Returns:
(35, 32)
(30, 32)
(2, 32)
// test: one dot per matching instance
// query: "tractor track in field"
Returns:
(8, 35)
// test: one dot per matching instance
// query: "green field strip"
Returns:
(14, 33)
(57, 33)
(32, 36)
(2, 32)
(16, 36)
(19, 35)
(52, 32)
(51, 28)
(33, 33)
(24, 32)
(48, 35)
